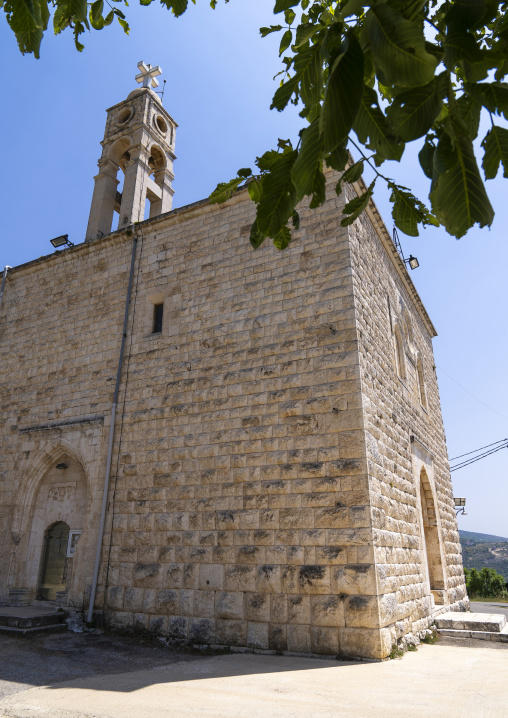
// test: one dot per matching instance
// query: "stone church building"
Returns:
(218, 445)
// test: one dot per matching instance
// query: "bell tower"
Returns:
(139, 140)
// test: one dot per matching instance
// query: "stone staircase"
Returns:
(483, 626)
(30, 620)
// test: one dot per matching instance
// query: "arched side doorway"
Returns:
(53, 571)
(58, 511)
(430, 537)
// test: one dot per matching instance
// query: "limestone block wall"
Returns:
(404, 437)
(60, 333)
(265, 491)
(241, 512)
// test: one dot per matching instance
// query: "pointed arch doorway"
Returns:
(431, 546)
(53, 573)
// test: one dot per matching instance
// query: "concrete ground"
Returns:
(89, 676)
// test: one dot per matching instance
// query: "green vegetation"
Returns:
(466, 536)
(396, 652)
(431, 636)
(372, 76)
(485, 583)
(479, 550)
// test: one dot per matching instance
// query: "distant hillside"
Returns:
(479, 538)
(479, 550)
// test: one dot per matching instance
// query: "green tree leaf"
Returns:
(398, 47)
(307, 173)
(343, 95)
(426, 157)
(285, 42)
(458, 195)
(357, 205)
(470, 111)
(373, 130)
(413, 112)
(408, 212)
(353, 173)
(225, 190)
(178, 7)
(338, 158)
(492, 95)
(309, 71)
(282, 238)
(254, 190)
(284, 93)
(495, 144)
(278, 196)
(267, 30)
(281, 5)
(256, 238)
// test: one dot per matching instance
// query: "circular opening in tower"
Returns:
(124, 115)
(160, 124)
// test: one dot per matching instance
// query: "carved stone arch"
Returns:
(118, 151)
(55, 488)
(157, 158)
(35, 473)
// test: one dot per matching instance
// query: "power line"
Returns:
(477, 458)
(468, 392)
(480, 449)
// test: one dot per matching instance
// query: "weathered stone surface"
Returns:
(280, 464)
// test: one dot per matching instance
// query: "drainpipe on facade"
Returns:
(4, 277)
(110, 442)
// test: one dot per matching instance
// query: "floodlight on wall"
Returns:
(460, 506)
(412, 261)
(61, 466)
(61, 241)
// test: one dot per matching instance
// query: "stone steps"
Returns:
(482, 626)
(23, 620)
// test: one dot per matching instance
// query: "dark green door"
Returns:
(53, 562)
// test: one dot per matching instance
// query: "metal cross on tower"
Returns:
(148, 74)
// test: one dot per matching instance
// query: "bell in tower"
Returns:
(139, 140)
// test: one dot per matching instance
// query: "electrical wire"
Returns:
(480, 449)
(477, 458)
(468, 392)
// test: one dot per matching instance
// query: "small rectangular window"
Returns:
(157, 318)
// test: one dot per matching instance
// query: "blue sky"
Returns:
(219, 87)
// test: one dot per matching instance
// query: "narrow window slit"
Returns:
(158, 310)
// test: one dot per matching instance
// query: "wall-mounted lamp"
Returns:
(460, 506)
(61, 241)
(61, 466)
(412, 261)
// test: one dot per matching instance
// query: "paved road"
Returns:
(498, 607)
(83, 676)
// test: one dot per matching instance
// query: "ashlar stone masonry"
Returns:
(279, 477)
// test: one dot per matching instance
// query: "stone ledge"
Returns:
(490, 622)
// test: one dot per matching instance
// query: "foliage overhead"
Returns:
(373, 77)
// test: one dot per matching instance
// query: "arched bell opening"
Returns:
(119, 155)
(53, 569)
(155, 187)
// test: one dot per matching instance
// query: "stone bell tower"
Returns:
(139, 139)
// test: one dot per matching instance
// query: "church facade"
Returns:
(217, 445)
